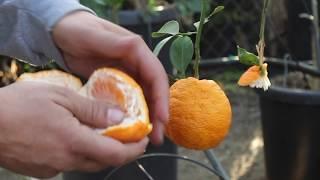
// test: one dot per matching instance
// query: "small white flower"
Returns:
(262, 82)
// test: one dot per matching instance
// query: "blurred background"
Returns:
(286, 34)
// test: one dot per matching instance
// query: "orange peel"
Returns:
(54, 77)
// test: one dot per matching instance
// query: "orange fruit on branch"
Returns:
(200, 114)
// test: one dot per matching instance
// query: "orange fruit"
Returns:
(255, 76)
(120, 89)
(110, 85)
(54, 77)
(200, 114)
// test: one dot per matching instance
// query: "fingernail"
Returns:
(115, 116)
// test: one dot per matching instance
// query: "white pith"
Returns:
(134, 105)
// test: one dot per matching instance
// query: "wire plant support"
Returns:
(216, 170)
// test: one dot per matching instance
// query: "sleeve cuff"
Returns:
(31, 39)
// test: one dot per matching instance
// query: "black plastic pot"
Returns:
(291, 128)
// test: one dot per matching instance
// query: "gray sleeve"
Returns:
(26, 25)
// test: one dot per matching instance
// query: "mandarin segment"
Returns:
(106, 89)
(121, 90)
(200, 114)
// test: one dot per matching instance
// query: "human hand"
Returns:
(40, 136)
(88, 42)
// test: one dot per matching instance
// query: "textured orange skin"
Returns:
(251, 75)
(130, 133)
(68, 78)
(124, 133)
(200, 114)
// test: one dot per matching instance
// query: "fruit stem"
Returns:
(198, 40)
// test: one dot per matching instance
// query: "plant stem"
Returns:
(263, 19)
(261, 44)
(198, 39)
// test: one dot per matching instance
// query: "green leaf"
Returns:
(217, 10)
(207, 19)
(160, 45)
(171, 28)
(187, 33)
(98, 8)
(247, 58)
(181, 53)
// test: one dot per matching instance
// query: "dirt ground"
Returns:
(241, 154)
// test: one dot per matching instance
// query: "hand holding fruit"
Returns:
(42, 131)
(93, 43)
(42, 125)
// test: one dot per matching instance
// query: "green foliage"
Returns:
(25, 67)
(247, 58)
(98, 7)
(169, 28)
(207, 19)
(181, 53)
(28, 68)
(110, 3)
(182, 49)
(161, 44)
(109, 9)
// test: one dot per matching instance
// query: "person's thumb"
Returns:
(95, 113)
